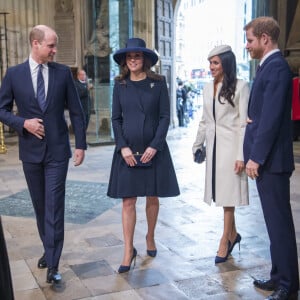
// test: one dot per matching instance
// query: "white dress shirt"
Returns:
(34, 67)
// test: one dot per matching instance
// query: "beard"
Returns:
(257, 53)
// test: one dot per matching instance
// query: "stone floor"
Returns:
(187, 235)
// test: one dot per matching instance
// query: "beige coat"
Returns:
(229, 128)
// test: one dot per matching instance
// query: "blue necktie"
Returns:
(258, 69)
(40, 90)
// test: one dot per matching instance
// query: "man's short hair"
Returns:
(264, 25)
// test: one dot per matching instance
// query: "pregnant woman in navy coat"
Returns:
(140, 119)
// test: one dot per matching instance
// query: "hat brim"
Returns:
(120, 54)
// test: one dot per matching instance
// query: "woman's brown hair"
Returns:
(146, 68)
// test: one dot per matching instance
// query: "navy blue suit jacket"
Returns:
(268, 139)
(17, 86)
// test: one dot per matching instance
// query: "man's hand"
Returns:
(35, 126)
(252, 169)
(78, 157)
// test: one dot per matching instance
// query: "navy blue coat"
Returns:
(17, 86)
(268, 139)
(140, 118)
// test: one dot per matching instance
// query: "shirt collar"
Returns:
(267, 55)
(34, 65)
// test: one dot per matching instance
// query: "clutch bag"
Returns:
(140, 164)
(200, 155)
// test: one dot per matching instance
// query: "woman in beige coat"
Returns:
(222, 129)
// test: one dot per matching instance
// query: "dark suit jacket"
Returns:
(268, 139)
(17, 85)
(84, 96)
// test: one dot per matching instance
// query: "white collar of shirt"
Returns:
(34, 66)
(267, 55)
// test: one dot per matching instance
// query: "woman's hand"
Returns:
(239, 166)
(128, 156)
(148, 155)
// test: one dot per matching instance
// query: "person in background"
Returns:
(222, 128)
(141, 164)
(181, 97)
(41, 89)
(268, 153)
(83, 89)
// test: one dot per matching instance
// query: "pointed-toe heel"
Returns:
(237, 240)
(124, 269)
(220, 259)
(151, 253)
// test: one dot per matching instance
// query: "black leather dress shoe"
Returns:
(53, 276)
(282, 294)
(42, 264)
(266, 285)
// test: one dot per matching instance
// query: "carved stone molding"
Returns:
(65, 28)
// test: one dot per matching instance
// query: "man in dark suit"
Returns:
(83, 89)
(268, 153)
(41, 90)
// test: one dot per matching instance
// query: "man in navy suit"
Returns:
(268, 153)
(42, 89)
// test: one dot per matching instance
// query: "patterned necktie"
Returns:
(257, 69)
(40, 91)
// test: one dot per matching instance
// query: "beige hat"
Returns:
(219, 50)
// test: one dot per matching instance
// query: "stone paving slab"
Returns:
(81, 205)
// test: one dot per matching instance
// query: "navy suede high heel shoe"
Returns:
(237, 240)
(220, 259)
(151, 253)
(124, 269)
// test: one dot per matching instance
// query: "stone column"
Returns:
(64, 25)
(144, 21)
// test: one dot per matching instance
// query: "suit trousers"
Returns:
(46, 183)
(274, 192)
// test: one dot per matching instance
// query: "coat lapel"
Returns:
(50, 84)
(260, 73)
(27, 79)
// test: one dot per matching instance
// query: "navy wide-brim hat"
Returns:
(135, 45)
